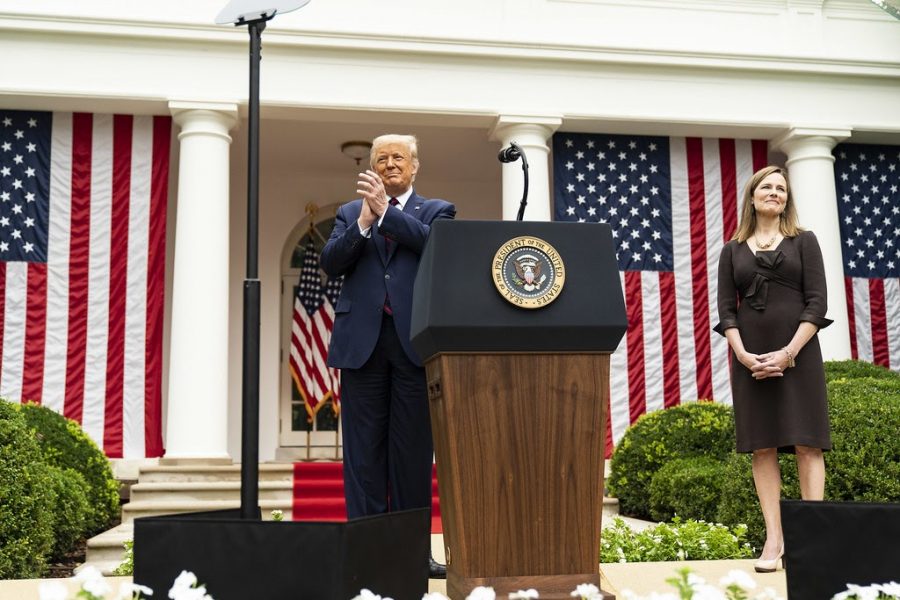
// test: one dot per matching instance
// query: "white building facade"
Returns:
(467, 78)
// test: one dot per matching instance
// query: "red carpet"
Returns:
(319, 494)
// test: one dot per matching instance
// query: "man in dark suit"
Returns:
(376, 245)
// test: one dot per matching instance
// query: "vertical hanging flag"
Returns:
(867, 180)
(672, 203)
(82, 270)
(332, 292)
(310, 335)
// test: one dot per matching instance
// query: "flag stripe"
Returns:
(651, 302)
(637, 398)
(98, 268)
(681, 249)
(728, 175)
(619, 407)
(851, 316)
(696, 195)
(669, 325)
(892, 318)
(35, 335)
(79, 232)
(156, 286)
(56, 349)
(14, 334)
(878, 323)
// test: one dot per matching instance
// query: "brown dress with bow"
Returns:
(766, 296)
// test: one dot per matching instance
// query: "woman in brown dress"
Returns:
(772, 301)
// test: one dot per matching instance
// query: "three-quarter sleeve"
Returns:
(815, 292)
(727, 295)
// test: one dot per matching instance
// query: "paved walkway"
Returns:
(641, 578)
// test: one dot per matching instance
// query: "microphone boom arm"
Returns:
(511, 154)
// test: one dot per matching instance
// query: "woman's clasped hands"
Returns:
(763, 366)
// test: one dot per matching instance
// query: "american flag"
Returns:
(672, 203)
(867, 180)
(82, 270)
(310, 334)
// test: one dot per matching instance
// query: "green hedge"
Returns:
(71, 509)
(856, 369)
(688, 540)
(693, 429)
(687, 487)
(27, 499)
(67, 446)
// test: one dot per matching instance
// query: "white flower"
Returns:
(768, 594)
(739, 578)
(482, 593)
(523, 594)
(185, 581)
(705, 591)
(858, 591)
(586, 591)
(366, 594)
(52, 590)
(434, 596)
(890, 589)
(128, 590)
(92, 581)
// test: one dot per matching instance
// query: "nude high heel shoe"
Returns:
(770, 566)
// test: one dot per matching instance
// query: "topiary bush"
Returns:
(66, 445)
(864, 464)
(71, 509)
(688, 487)
(856, 369)
(26, 499)
(694, 429)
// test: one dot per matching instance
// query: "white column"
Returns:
(197, 408)
(811, 169)
(531, 133)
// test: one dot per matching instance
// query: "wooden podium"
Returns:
(518, 401)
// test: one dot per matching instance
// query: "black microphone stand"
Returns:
(511, 154)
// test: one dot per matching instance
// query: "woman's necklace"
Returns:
(767, 245)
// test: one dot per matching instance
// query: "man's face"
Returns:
(396, 167)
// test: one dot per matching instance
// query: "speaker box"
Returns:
(830, 544)
(267, 560)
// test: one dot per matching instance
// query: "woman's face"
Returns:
(770, 196)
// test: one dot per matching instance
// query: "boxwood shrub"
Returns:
(687, 487)
(26, 499)
(66, 445)
(693, 429)
(71, 509)
(856, 369)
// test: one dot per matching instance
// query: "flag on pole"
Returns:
(310, 334)
(867, 180)
(82, 270)
(332, 292)
(672, 203)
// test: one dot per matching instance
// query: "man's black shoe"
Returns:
(436, 570)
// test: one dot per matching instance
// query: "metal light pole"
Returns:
(254, 15)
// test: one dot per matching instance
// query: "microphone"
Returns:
(511, 154)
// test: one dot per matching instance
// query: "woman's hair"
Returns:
(788, 225)
(409, 141)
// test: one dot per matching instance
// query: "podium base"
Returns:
(550, 587)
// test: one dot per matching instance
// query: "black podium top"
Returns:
(457, 306)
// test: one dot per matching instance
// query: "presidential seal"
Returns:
(528, 272)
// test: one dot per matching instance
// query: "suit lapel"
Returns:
(412, 207)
